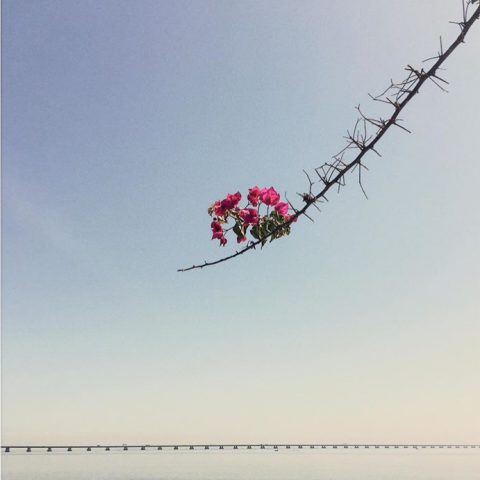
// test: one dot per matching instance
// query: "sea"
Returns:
(315, 464)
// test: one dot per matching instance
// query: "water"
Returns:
(243, 465)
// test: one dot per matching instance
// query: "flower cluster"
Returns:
(249, 219)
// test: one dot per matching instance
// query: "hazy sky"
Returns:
(123, 120)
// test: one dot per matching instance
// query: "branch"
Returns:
(397, 95)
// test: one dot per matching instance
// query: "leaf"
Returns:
(237, 230)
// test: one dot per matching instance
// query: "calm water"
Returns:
(242, 465)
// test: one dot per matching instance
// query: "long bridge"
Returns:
(232, 446)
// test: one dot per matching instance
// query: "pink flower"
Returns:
(236, 197)
(253, 195)
(249, 216)
(231, 201)
(216, 226)
(269, 196)
(218, 233)
(241, 238)
(282, 208)
(217, 230)
(220, 207)
(217, 208)
(288, 218)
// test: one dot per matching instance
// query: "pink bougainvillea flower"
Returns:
(253, 195)
(289, 217)
(216, 226)
(217, 230)
(282, 208)
(217, 208)
(218, 235)
(249, 216)
(231, 201)
(269, 196)
(236, 197)
(229, 209)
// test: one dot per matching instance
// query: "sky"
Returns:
(123, 121)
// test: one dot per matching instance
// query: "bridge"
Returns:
(233, 446)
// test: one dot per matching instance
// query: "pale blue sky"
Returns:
(123, 120)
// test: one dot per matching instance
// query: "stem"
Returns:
(406, 90)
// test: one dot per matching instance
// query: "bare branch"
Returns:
(398, 95)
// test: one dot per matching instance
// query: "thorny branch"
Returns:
(360, 139)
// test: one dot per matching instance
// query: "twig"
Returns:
(398, 95)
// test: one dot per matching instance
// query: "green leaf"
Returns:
(237, 230)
